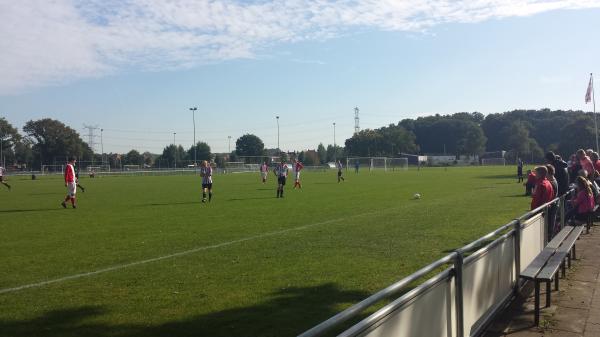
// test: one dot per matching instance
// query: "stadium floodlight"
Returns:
(277, 117)
(175, 155)
(193, 109)
(334, 149)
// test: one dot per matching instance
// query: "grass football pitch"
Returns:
(142, 256)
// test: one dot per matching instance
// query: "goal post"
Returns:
(377, 163)
(493, 162)
(53, 169)
(240, 166)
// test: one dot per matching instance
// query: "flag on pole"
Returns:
(588, 93)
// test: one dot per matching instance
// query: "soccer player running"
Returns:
(206, 174)
(281, 171)
(70, 183)
(2, 170)
(264, 170)
(297, 168)
(340, 167)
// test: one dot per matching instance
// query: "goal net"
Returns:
(238, 166)
(99, 168)
(493, 162)
(377, 163)
(53, 169)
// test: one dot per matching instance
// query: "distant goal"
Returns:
(385, 164)
(493, 162)
(239, 167)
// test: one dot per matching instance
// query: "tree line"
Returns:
(524, 133)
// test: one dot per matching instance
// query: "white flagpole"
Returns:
(594, 105)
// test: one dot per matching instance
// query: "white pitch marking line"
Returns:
(186, 252)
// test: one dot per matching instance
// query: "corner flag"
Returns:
(588, 93)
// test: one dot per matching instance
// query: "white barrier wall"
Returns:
(489, 278)
(532, 239)
(429, 314)
(487, 281)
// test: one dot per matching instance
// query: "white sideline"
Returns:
(185, 252)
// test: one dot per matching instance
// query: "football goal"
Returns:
(53, 169)
(493, 162)
(377, 163)
(238, 167)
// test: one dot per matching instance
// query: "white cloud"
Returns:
(47, 42)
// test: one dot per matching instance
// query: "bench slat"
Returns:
(537, 264)
(539, 261)
(560, 237)
(557, 259)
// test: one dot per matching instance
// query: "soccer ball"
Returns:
(417, 196)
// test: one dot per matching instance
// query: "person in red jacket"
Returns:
(70, 183)
(530, 184)
(583, 203)
(543, 191)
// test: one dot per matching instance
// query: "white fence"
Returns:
(462, 299)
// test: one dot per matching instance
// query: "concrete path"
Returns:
(575, 309)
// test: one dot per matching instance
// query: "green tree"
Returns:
(249, 145)
(54, 142)
(133, 157)
(322, 152)
(9, 139)
(202, 152)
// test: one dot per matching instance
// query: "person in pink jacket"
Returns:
(585, 162)
(583, 203)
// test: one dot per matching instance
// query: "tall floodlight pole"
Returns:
(229, 146)
(1, 157)
(102, 146)
(175, 146)
(278, 149)
(194, 122)
(334, 148)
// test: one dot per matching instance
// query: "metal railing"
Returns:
(507, 235)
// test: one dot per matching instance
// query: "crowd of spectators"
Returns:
(557, 177)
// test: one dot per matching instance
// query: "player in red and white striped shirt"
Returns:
(70, 183)
(297, 168)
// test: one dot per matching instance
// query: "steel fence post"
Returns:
(458, 274)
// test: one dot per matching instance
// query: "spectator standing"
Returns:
(530, 184)
(585, 162)
(560, 172)
(543, 192)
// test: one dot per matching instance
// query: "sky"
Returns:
(134, 68)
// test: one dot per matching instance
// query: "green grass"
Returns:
(284, 266)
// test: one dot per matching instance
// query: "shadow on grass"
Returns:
(499, 176)
(58, 208)
(287, 312)
(520, 195)
(171, 203)
(252, 198)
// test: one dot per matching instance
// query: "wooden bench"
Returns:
(545, 266)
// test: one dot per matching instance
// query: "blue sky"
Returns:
(134, 69)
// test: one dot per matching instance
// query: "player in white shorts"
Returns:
(297, 168)
(70, 183)
(264, 171)
(2, 180)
